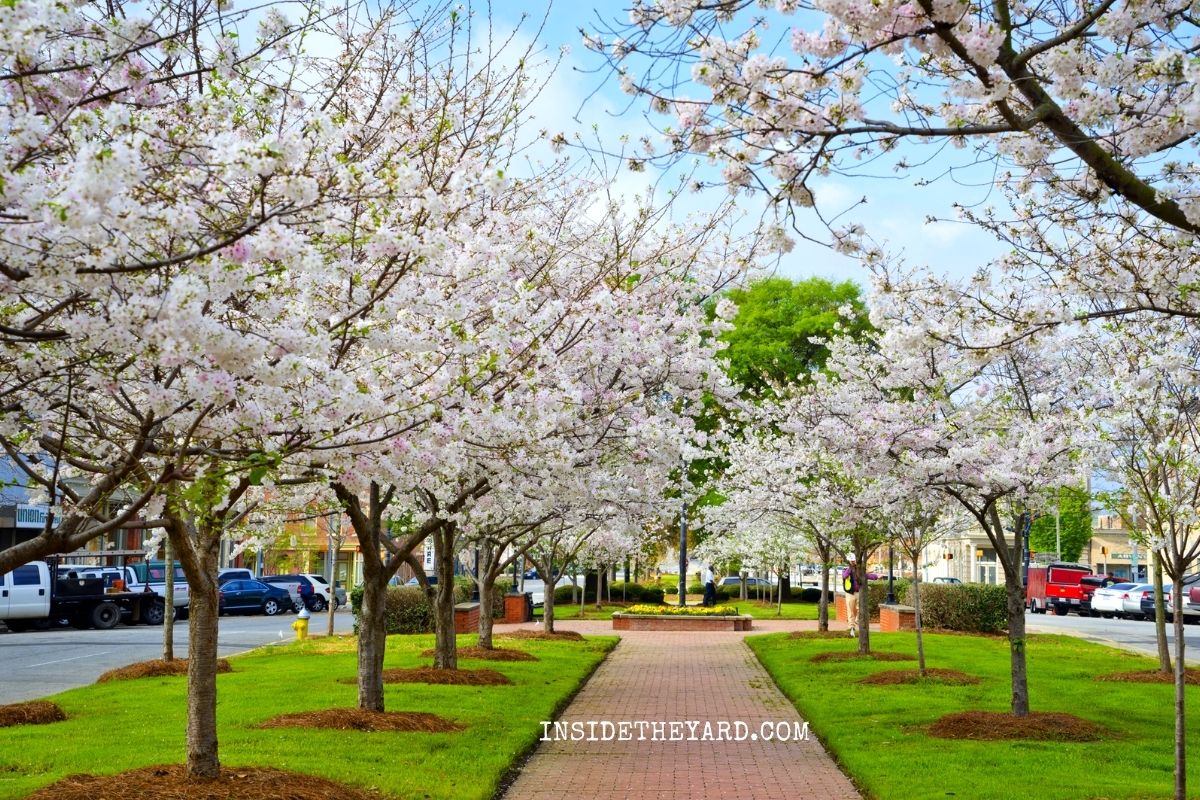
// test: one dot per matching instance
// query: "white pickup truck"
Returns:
(31, 597)
(142, 577)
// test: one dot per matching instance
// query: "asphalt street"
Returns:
(39, 663)
(1135, 635)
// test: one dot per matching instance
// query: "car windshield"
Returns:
(319, 579)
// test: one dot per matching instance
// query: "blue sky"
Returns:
(895, 211)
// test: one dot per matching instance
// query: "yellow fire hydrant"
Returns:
(300, 626)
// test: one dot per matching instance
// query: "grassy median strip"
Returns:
(880, 733)
(751, 608)
(114, 727)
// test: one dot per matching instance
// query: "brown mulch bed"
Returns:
(852, 655)
(483, 654)
(1191, 676)
(157, 668)
(557, 636)
(36, 712)
(452, 677)
(356, 719)
(996, 725)
(168, 782)
(896, 677)
(818, 635)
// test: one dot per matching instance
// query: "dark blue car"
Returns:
(253, 596)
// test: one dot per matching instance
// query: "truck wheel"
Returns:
(271, 608)
(1061, 611)
(106, 615)
(318, 604)
(155, 614)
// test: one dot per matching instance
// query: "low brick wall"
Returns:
(638, 622)
(897, 618)
(466, 618)
(839, 605)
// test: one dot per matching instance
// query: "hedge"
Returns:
(968, 607)
(634, 593)
(877, 594)
(810, 594)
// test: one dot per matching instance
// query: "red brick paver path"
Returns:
(664, 676)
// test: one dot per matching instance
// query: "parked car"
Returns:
(1131, 601)
(432, 579)
(943, 579)
(252, 595)
(321, 587)
(1109, 601)
(234, 574)
(1148, 602)
(299, 587)
(1089, 585)
(736, 581)
(1192, 609)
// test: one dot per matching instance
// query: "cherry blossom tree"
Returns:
(1085, 117)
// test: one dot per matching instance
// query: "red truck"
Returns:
(1061, 587)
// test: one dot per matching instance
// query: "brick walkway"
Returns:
(709, 677)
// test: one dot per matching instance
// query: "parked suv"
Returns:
(337, 597)
(302, 590)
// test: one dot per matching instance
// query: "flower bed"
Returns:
(646, 610)
(688, 618)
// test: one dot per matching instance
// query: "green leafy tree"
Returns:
(777, 318)
(1074, 524)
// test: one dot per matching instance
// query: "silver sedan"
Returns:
(1108, 601)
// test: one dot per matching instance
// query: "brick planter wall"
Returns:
(466, 618)
(839, 604)
(632, 622)
(515, 609)
(897, 618)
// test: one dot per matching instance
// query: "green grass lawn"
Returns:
(117, 726)
(877, 732)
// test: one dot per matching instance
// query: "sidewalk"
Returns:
(706, 677)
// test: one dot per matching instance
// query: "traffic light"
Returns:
(1103, 551)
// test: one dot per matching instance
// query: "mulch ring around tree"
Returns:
(36, 712)
(897, 677)
(817, 635)
(452, 677)
(1191, 676)
(854, 655)
(556, 636)
(158, 668)
(168, 782)
(484, 654)
(997, 725)
(356, 719)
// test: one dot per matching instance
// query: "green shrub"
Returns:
(810, 594)
(636, 593)
(563, 596)
(723, 592)
(969, 607)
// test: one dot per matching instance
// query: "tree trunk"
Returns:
(823, 602)
(447, 643)
(601, 574)
(168, 601)
(1160, 619)
(548, 611)
(744, 594)
(486, 606)
(916, 590)
(864, 608)
(1016, 643)
(199, 560)
(1180, 676)
(782, 580)
(372, 642)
